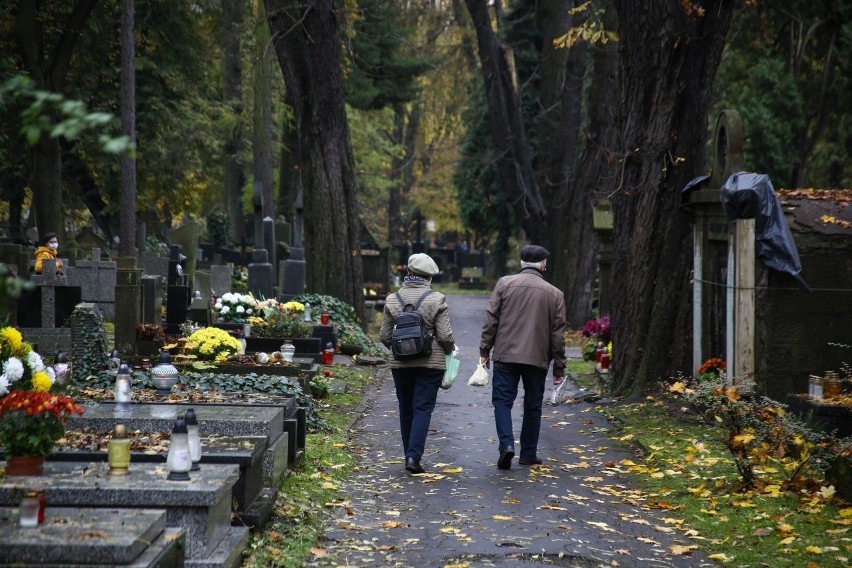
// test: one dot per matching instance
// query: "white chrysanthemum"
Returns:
(218, 305)
(224, 310)
(249, 312)
(51, 373)
(4, 384)
(241, 310)
(226, 297)
(13, 369)
(34, 362)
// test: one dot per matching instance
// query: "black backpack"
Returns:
(410, 337)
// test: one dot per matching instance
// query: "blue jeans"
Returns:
(416, 391)
(504, 390)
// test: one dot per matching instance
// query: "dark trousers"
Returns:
(504, 390)
(416, 391)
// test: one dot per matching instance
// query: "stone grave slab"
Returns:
(83, 536)
(201, 506)
(248, 452)
(218, 419)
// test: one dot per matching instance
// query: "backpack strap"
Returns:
(417, 305)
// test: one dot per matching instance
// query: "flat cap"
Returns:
(534, 253)
(422, 264)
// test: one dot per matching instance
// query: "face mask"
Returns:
(54, 246)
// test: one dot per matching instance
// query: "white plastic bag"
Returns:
(558, 396)
(480, 377)
(452, 371)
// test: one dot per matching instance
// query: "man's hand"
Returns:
(557, 380)
(484, 361)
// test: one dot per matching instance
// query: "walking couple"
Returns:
(522, 334)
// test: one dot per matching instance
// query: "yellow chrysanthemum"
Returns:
(23, 349)
(12, 338)
(41, 382)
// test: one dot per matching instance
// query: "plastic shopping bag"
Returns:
(452, 371)
(480, 377)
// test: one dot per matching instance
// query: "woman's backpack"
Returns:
(410, 337)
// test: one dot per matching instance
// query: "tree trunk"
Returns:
(668, 60)
(571, 265)
(263, 166)
(306, 41)
(48, 68)
(232, 68)
(127, 242)
(512, 154)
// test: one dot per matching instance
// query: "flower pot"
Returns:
(24, 465)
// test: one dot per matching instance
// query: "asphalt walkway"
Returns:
(580, 508)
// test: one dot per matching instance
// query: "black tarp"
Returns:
(751, 196)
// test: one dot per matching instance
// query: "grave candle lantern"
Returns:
(307, 312)
(29, 509)
(122, 386)
(118, 451)
(194, 439)
(179, 460)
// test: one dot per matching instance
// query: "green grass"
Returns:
(304, 495)
(452, 288)
(690, 474)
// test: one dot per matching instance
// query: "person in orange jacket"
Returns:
(49, 250)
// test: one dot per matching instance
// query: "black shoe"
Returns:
(414, 466)
(527, 460)
(505, 459)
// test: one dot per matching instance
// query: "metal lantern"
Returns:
(179, 460)
(164, 375)
(194, 439)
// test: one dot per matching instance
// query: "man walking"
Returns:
(523, 332)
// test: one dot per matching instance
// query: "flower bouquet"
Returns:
(281, 320)
(235, 308)
(23, 368)
(31, 422)
(213, 344)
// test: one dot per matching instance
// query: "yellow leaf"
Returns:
(785, 528)
(453, 470)
(446, 530)
(743, 439)
(678, 387)
(827, 492)
(391, 524)
(721, 557)
(837, 531)
(329, 485)
(847, 512)
(787, 540)
(813, 550)
(511, 501)
(501, 518)
(679, 550)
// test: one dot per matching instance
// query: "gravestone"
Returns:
(50, 303)
(270, 246)
(96, 279)
(87, 239)
(295, 269)
(128, 302)
(260, 276)
(203, 283)
(187, 237)
(85, 536)
(152, 299)
(177, 292)
(220, 279)
(153, 265)
(200, 506)
(199, 310)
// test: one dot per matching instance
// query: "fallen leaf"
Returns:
(721, 557)
(391, 524)
(501, 518)
(319, 552)
(453, 470)
(680, 550)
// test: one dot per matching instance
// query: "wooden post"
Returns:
(743, 237)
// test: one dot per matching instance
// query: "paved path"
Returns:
(578, 509)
